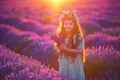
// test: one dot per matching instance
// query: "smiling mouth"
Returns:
(68, 29)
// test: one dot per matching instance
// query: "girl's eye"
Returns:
(66, 23)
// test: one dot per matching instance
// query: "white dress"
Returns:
(70, 68)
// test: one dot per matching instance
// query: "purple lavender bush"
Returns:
(90, 27)
(56, 39)
(111, 31)
(102, 63)
(25, 24)
(29, 44)
(18, 67)
(107, 22)
(100, 39)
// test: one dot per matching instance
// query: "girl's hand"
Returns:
(63, 47)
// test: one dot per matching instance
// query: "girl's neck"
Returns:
(68, 34)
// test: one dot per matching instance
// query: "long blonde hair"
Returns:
(77, 29)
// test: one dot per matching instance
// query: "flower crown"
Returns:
(70, 13)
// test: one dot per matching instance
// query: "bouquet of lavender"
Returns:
(57, 39)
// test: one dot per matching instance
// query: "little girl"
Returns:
(72, 51)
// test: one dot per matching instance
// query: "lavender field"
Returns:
(28, 53)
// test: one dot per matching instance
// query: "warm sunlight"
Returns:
(57, 1)
(55, 4)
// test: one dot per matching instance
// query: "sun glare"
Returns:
(59, 2)
(55, 5)
(56, 1)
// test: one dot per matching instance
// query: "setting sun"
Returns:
(56, 4)
(56, 1)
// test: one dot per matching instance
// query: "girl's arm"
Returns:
(63, 48)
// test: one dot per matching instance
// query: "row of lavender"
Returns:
(29, 44)
(26, 25)
(102, 64)
(14, 66)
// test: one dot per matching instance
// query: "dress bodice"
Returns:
(80, 43)
(67, 43)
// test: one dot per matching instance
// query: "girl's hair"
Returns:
(76, 30)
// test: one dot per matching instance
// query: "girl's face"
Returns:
(68, 25)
